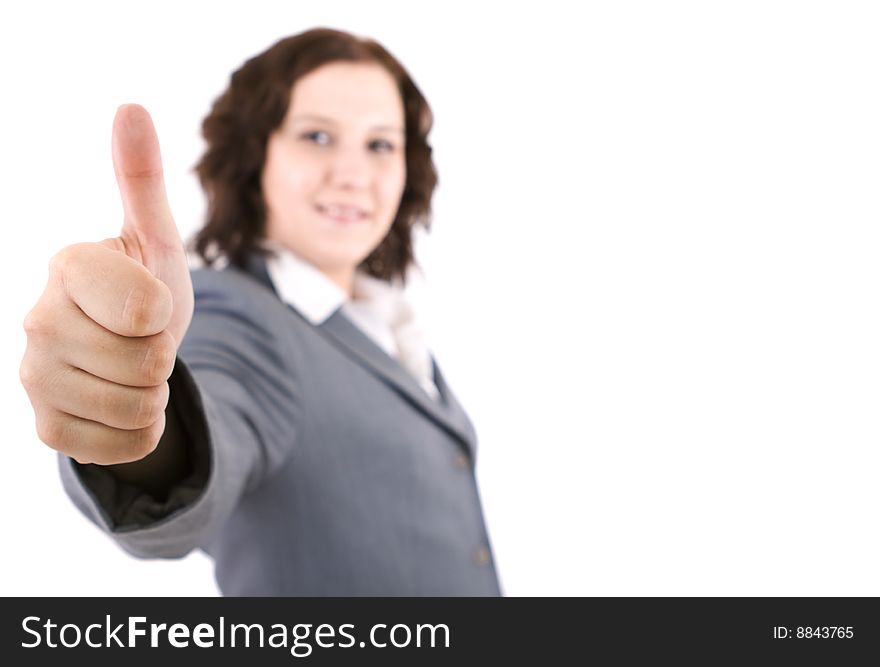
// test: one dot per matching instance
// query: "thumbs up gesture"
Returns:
(102, 338)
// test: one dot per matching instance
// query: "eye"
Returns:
(318, 137)
(381, 146)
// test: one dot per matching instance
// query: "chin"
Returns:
(338, 262)
(340, 259)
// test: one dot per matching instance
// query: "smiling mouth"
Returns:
(342, 213)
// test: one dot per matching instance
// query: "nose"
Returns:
(349, 168)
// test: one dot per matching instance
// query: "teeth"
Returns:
(343, 212)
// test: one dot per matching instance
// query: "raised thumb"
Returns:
(138, 166)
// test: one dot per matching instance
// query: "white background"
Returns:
(653, 275)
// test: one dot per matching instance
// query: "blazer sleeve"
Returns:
(234, 393)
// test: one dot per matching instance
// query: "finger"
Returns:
(114, 290)
(138, 166)
(71, 337)
(91, 442)
(81, 394)
(134, 362)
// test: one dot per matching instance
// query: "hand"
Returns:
(102, 338)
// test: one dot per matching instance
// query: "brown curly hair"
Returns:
(254, 105)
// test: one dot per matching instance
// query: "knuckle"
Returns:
(150, 405)
(36, 324)
(158, 360)
(147, 307)
(58, 261)
(136, 312)
(65, 259)
(147, 439)
(54, 432)
(36, 379)
(27, 375)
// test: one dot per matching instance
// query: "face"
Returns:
(335, 170)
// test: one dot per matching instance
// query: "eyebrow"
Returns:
(330, 121)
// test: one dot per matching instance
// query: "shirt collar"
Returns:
(317, 297)
(379, 308)
(301, 285)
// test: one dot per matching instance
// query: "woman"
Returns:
(310, 444)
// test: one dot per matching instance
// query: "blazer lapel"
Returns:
(455, 412)
(446, 412)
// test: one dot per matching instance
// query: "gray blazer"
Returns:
(319, 465)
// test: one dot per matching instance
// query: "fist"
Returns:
(103, 337)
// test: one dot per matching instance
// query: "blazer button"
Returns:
(481, 555)
(463, 461)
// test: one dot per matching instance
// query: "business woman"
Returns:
(278, 407)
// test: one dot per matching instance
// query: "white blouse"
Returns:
(381, 310)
